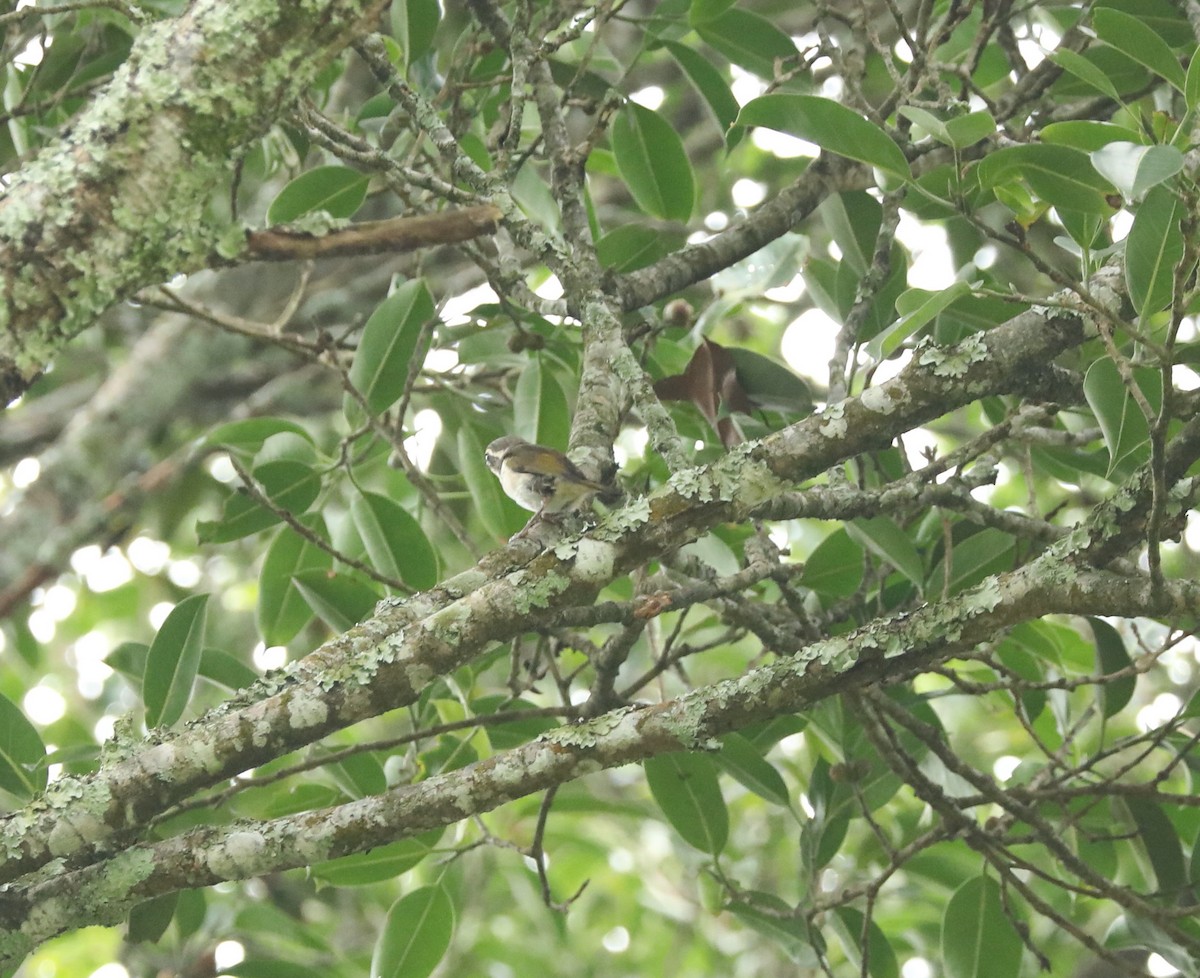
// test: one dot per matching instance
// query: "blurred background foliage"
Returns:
(297, 440)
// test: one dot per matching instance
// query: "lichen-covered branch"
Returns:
(121, 201)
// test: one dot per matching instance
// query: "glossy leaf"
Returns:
(282, 610)
(249, 435)
(749, 40)
(1191, 88)
(394, 540)
(881, 959)
(339, 600)
(499, 514)
(415, 936)
(634, 246)
(853, 218)
(701, 10)
(740, 759)
(987, 552)
(653, 163)
(1088, 134)
(1122, 421)
(1059, 175)
(540, 412)
(1129, 35)
(1112, 656)
(337, 190)
(388, 344)
(882, 536)
(830, 125)
(770, 385)
(887, 342)
(1086, 71)
(148, 921)
(382, 863)
(835, 567)
(414, 23)
(685, 787)
(290, 485)
(1161, 844)
(708, 81)
(1134, 168)
(21, 752)
(1153, 247)
(965, 131)
(173, 661)
(978, 939)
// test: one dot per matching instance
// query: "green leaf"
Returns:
(1085, 71)
(1161, 843)
(887, 342)
(830, 125)
(339, 600)
(249, 435)
(172, 662)
(148, 921)
(701, 10)
(282, 610)
(540, 412)
(416, 935)
(394, 540)
(882, 962)
(967, 130)
(1122, 421)
(1059, 175)
(685, 787)
(739, 758)
(337, 190)
(1153, 247)
(290, 485)
(749, 40)
(653, 163)
(884, 538)
(388, 344)
(959, 132)
(1191, 88)
(769, 385)
(974, 558)
(835, 568)
(1087, 135)
(1112, 656)
(1134, 168)
(500, 515)
(414, 23)
(924, 119)
(634, 246)
(225, 669)
(383, 863)
(1130, 36)
(853, 218)
(21, 752)
(978, 939)
(709, 83)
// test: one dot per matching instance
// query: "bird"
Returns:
(542, 480)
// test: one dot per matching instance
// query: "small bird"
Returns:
(542, 480)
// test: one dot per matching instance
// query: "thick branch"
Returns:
(120, 202)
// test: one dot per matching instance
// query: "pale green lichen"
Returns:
(593, 560)
(306, 711)
(620, 522)
(877, 399)
(239, 856)
(539, 592)
(956, 360)
(834, 423)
